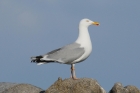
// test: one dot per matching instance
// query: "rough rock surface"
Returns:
(6, 85)
(118, 88)
(83, 85)
(19, 88)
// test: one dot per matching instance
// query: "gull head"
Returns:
(86, 22)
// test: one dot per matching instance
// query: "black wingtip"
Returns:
(33, 61)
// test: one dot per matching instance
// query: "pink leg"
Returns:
(73, 72)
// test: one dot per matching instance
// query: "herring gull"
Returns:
(73, 53)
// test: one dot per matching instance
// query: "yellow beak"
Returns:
(96, 23)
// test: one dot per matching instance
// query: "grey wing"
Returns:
(66, 54)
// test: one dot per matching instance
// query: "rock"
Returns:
(19, 88)
(83, 85)
(118, 88)
(6, 85)
(132, 89)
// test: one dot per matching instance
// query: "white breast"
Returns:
(85, 42)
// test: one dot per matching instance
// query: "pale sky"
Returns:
(30, 28)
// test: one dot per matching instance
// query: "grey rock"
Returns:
(83, 85)
(19, 88)
(118, 88)
(6, 85)
(132, 89)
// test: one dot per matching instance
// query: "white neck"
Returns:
(83, 38)
(85, 42)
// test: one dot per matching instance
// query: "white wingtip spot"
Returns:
(40, 63)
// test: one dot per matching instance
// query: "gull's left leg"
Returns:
(73, 72)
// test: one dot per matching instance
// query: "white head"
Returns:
(86, 22)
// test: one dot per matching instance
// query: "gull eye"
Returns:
(87, 20)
